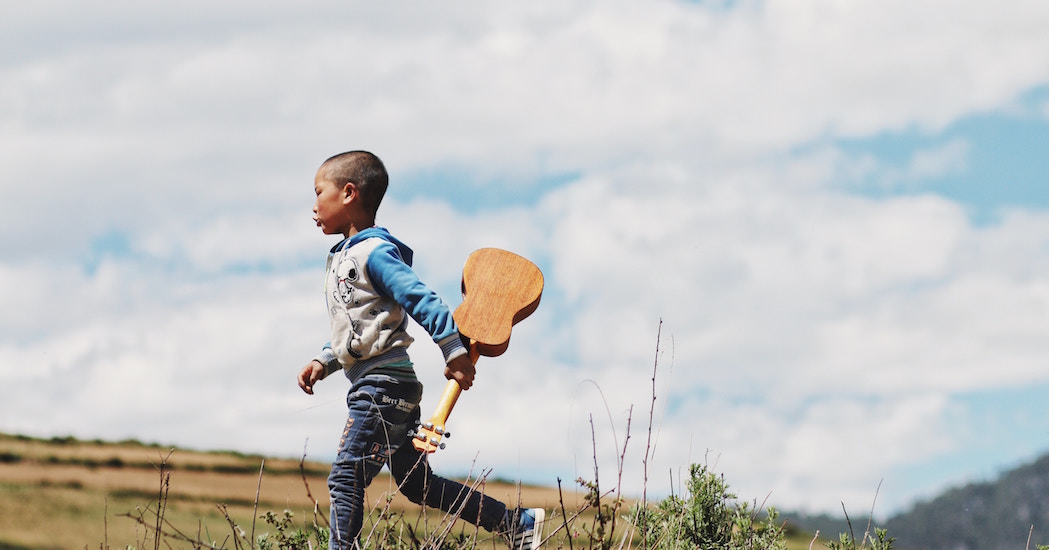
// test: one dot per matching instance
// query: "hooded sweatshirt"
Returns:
(371, 290)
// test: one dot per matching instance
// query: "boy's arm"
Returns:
(328, 360)
(394, 278)
(318, 369)
(309, 375)
(461, 369)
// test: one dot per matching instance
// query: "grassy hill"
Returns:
(66, 493)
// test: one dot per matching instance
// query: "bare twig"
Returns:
(648, 441)
(599, 518)
(162, 503)
(105, 525)
(564, 514)
(870, 518)
(173, 532)
(571, 519)
(852, 534)
(608, 412)
(158, 524)
(232, 525)
(757, 508)
(618, 502)
(452, 516)
(255, 508)
(566, 520)
(651, 415)
(306, 483)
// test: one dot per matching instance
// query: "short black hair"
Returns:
(365, 170)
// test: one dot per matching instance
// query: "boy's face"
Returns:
(330, 211)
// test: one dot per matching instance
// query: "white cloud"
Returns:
(937, 162)
(795, 305)
(800, 320)
(940, 161)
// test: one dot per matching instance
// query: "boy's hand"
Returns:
(461, 369)
(309, 376)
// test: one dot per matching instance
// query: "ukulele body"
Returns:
(500, 289)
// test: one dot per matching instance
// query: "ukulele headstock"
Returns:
(427, 437)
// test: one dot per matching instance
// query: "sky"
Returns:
(804, 242)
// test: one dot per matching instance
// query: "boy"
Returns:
(371, 291)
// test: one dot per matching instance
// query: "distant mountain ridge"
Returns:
(993, 515)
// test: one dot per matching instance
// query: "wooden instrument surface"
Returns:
(500, 289)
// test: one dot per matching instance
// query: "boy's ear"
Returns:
(350, 192)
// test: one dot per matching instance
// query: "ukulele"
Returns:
(500, 289)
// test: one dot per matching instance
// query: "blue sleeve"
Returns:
(395, 279)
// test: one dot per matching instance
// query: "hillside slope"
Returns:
(994, 515)
(65, 493)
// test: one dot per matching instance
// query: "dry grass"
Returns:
(65, 494)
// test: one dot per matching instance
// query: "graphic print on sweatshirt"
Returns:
(347, 273)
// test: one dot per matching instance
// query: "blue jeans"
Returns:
(381, 411)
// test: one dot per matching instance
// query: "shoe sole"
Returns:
(537, 533)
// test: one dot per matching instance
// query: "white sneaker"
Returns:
(527, 528)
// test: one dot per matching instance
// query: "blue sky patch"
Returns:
(111, 244)
(995, 431)
(470, 192)
(1003, 163)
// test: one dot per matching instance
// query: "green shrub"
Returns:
(288, 538)
(707, 517)
(880, 541)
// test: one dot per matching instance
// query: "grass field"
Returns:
(64, 493)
